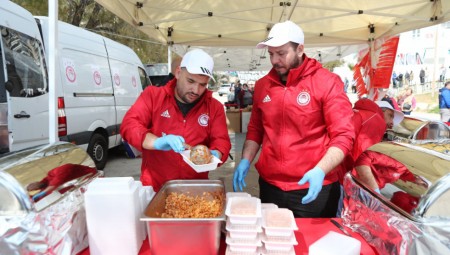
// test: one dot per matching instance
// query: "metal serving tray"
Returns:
(183, 235)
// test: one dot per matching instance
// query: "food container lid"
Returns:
(200, 168)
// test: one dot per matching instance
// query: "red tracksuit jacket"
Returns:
(156, 111)
(296, 124)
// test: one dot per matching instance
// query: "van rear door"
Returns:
(25, 82)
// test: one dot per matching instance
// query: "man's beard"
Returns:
(294, 64)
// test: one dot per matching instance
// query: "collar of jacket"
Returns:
(170, 91)
(308, 67)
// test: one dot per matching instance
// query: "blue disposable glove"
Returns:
(377, 191)
(39, 195)
(240, 173)
(215, 153)
(315, 178)
(169, 142)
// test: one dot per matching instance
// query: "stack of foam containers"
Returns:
(243, 225)
(113, 210)
(278, 231)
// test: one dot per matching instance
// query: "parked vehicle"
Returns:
(224, 89)
(97, 80)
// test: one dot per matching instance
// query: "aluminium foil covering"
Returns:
(53, 222)
(388, 228)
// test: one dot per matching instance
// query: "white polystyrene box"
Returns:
(112, 216)
(332, 242)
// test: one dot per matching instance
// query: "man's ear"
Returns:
(177, 72)
(300, 50)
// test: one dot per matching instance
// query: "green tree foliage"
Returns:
(332, 64)
(92, 16)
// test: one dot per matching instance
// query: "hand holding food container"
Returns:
(169, 142)
(201, 159)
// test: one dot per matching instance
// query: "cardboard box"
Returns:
(245, 119)
(234, 121)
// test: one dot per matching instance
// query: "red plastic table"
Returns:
(309, 231)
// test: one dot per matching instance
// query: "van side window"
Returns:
(25, 65)
(145, 81)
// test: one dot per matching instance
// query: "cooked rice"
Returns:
(180, 205)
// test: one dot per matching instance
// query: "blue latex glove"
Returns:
(169, 142)
(240, 173)
(315, 178)
(215, 153)
(378, 191)
(39, 195)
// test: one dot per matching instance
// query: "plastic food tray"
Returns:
(200, 168)
(279, 240)
(237, 194)
(243, 210)
(243, 245)
(244, 227)
(264, 251)
(230, 252)
(278, 222)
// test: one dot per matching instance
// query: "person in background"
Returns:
(408, 102)
(444, 102)
(411, 78)
(237, 92)
(301, 121)
(246, 97)
(346, 82)
(165, 120)
(389, 97)
(394, 79)
(407, 78)
(173, 66)
(400, 80)
(422, 76)
(370, 120)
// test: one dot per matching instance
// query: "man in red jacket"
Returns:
(164, 119)
(301, 120)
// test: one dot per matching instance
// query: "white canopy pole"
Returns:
(169, 59)
(52, 53)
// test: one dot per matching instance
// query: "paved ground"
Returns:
(120, 165)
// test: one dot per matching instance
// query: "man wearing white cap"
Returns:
(365, 161)
(164, 119)
(301, 120)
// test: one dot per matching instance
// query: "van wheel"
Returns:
(98, 150)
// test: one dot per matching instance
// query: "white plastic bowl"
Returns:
(200, 168)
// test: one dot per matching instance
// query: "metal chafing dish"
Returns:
(416, 130)
(42, 205)
(184, 235)
(412, 213)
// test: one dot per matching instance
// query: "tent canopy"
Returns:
(234, 24)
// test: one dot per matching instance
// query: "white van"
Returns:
(97, 80)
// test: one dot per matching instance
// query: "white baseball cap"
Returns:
(282, 33)
(398, 115)
(198, 62)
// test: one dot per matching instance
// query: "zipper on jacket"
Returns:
(283, 128)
